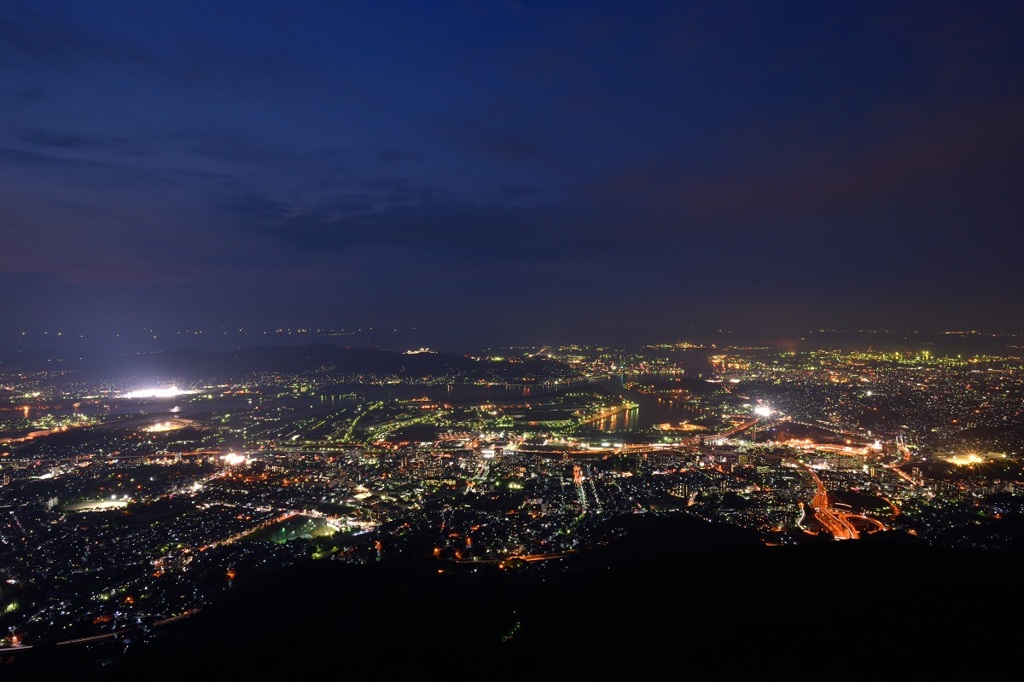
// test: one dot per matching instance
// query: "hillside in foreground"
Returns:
(675, 598)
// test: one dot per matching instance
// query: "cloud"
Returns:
(63, 38)
(500, 146)
(390, 155)
(956, 157)
(443, 230)
(81, 142)
(45, 139)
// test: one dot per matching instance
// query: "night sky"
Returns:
(508, 172)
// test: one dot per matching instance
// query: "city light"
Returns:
(156, 392)
(169, 425)
(498, 476)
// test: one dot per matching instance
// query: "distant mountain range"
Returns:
(198, 365)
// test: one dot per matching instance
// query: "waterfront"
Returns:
(204, 489)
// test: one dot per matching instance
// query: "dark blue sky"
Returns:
(520, 172)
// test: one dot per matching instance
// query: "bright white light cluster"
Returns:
(167, 392)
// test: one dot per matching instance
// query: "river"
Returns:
(649, 410)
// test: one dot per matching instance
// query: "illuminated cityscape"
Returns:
(128, 508)
(510, 340)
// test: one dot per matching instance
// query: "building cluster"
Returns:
(118, 516)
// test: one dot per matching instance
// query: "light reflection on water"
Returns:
(650, 411)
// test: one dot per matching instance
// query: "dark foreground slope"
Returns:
(639, 608)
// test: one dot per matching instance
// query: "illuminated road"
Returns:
(249, 531)
(577, 479)
(904, 451)
(736, 429)
(483, 470)
(89, 639)
(835, 523)
(838, 524)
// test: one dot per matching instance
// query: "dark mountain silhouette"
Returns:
(197, 365)
(671, 597)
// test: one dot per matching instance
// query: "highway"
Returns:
(838, 523)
